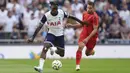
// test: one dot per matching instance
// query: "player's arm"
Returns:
(93, 32)
(74, 26)
(78, 20)
(66, 15)
(38, 28)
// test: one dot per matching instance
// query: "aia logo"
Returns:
(54, 23)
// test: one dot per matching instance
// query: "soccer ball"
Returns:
(56, 64)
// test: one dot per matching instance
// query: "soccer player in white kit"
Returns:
(55, 35)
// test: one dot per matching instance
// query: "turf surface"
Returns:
(87, 66)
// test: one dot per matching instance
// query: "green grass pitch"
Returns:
(87, 66)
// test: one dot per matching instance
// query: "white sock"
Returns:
(77, 65)
(41, 62)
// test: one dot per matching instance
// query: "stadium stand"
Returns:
(19, 18)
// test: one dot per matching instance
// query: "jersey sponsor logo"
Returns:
(54, 23)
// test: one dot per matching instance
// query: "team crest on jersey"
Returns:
(54, 23)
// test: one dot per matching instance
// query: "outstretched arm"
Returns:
(74, 18)
(37, 30)
(39, 27)
(74, 25)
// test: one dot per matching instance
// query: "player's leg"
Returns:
(47, 44)
(89, 52)
(39, 68)
(60, 51)
(79, 55)
(90, 47)
(79, 51)
(60, 45)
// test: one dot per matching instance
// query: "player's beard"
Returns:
(54, 12)
(90, 12)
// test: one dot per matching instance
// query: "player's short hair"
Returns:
(90, 3)
(53, 3)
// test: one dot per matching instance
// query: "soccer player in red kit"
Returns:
(89, 33)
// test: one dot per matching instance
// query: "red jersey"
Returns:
(92, 20)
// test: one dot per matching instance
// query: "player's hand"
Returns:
(68, 25)
(85, 41)
(30, 40)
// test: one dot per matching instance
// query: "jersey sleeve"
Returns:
(66, 14)
(95, 20)
(44, 19)
(84, 16)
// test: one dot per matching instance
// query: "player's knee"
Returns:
(62, 53)
(47, 45)
(87, 53)
(80, 47)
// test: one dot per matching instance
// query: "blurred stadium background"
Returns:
(19, 19)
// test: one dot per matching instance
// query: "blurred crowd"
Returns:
(19, 18)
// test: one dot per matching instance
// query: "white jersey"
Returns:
(55, 23)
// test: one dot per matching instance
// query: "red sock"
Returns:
(78, 57)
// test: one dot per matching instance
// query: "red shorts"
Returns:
(90, 44)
